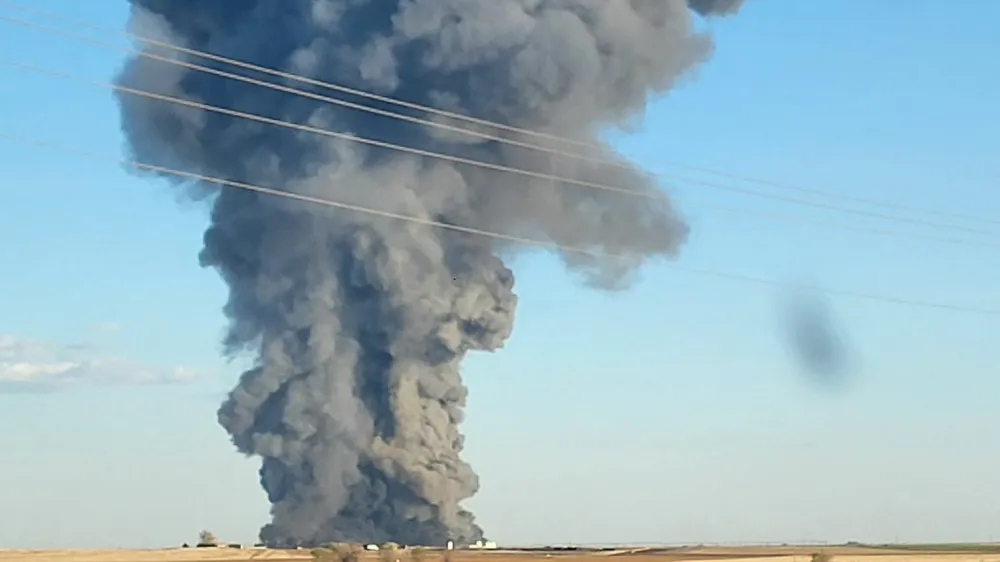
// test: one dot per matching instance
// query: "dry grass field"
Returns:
(944, 553)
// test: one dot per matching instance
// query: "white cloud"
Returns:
(39, 365)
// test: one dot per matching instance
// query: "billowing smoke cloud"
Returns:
(359, 324)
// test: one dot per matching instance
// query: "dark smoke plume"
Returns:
(359, 324)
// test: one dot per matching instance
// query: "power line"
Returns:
(326, 132)
(462, 160)
(474, 120)
(299, 78)
(311, 95)
(468, 230)
(863, 229)
(495, 167)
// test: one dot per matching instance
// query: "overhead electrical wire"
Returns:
(843, 226)
(469, 119)
(326, 132)
(473, 162)
(467, 229)
(463, 160)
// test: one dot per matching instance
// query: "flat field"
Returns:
(901, 553)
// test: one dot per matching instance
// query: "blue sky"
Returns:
(671, 413)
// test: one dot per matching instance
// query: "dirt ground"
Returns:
(648, 554)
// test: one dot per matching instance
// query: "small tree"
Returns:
(322, 554)
(348, 552)
(388, 552)
(337, 552)
(207, 538)
(821, 557)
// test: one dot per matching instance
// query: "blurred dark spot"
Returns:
(810, 330)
